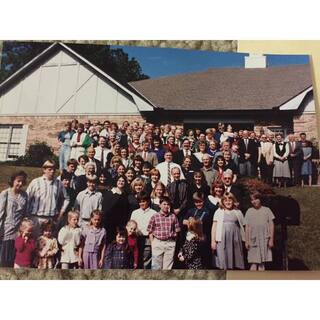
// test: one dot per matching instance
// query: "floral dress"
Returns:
(191, 251)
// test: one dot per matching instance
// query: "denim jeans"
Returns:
(64, 156)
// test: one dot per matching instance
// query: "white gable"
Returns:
(62, 85)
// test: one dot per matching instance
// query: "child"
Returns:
(47, 247)
(69, 239)
(259, 228)
(119, 254)
(163, 230)
(228, 234)
(93, 243)
(25, 245)
(146, 168)
(88, 200)
(142, 217)
(191, 250)
(132, 241)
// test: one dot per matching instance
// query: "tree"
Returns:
(114, 62)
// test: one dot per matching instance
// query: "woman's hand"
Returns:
(270, 243)
(180, 257)
(247, 244)
(214, 245)
(100, 264)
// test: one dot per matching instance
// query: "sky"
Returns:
(161, 62)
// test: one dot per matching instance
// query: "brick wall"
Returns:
(46, 128)
(306, 123)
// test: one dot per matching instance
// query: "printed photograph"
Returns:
(137, 158)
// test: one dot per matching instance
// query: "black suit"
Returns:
(195, 163)
(179, 196)
(248, 167)
(295, 161)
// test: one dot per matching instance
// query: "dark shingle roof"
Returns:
(227, 88)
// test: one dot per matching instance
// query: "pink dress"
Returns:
(94, 239)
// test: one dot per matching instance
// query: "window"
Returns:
(279, 129)
(12, 141)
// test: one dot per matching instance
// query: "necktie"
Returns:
(169, 174)
(246, 142)
(102, 157)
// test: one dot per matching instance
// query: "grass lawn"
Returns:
(303, 240)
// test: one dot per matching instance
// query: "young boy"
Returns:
(142, 217)
(163, 229)
(88, 200)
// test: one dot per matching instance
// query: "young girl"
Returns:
(93, 243)
(132, 241)
(190, 252)
(47, 247)
(119, 254)
(227, 234)
(69, 238)
(25, 245)
(259, 228)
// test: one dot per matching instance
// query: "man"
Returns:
(91, 152)
(265, 159)
(178, 193)
(105, 131)
(166, 167)
(186, 151)
(148, 155)
(227, 180)
(295, 159)
(88, 200)
(71, 168)
(102, 152)
(178, 137)
(48, 198)
(207, 170)
(248, 155)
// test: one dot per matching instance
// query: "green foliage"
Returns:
(115, 62)
(36, 155)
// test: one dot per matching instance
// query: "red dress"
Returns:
(24, 252)
(132, 241)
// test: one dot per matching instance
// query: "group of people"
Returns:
(142, 196)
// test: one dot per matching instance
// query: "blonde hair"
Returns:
(96, 212)
(131, 222)
(136, 182)
(228, 196)
(26, 222)
(195, 226)
(72, 213)
(153, 192)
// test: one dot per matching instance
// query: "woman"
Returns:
(198, 184)
(230, 165)
(137, 165)
(213, 148)
(214, 199)
(281, 171)
(134, 146)
(137, 185)
(13, 208)
(218, 168)
(202, 151)
(115, 209)
(130, 176)
(65, 146)
(306, 168)
(82, 160)
(126, 161)
(157, 193)
(154, 179)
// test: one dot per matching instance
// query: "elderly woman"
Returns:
(13, 208)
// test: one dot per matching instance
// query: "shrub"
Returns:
(36, 155)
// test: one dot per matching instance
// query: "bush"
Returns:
(36, 155)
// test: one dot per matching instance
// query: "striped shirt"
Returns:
(14, 209)
(87, 201)
(47, 197)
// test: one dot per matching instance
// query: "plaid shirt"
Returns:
(164, 227)
(118, 257)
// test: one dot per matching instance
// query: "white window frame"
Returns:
(22, 142)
